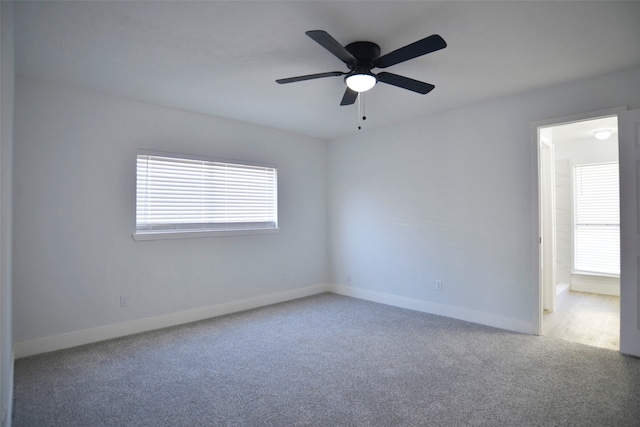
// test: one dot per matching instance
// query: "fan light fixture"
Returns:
(362, 56)
(602, 134)
(361, 82)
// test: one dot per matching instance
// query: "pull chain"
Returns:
(361, 113)
(359, 109)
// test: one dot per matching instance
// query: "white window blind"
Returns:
(176, 194)
(597, 219)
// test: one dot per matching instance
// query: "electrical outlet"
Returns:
(349, 278)
(124, 300)
(284, 276)
(438, 285)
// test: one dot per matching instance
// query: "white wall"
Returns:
(454, 197)
(6, 148)
(451, 197)
(74, 212)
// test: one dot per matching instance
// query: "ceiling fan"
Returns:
(362, 56)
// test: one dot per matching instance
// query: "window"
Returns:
(180, 195)
(597, 219)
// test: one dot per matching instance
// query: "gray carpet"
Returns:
(328, 360)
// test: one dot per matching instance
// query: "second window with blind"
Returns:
(596, 233)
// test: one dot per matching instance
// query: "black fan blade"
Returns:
(325, 40)
(310, 77)
(349, 97)
(413, 50)
(405, 82)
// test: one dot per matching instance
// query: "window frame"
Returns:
(177, 233)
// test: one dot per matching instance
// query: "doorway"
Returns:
(579, 229)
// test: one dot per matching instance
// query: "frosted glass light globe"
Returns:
(361, 82)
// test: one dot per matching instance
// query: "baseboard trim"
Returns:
(468, 315)
(596, 285)
(88, 336)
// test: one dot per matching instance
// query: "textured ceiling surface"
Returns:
(222, 58)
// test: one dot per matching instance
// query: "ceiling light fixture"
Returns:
(361, 82)
(603, 134)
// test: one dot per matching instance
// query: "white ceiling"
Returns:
(222, 58)
(582, 130)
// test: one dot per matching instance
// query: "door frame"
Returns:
(546, 185)
(536, 226)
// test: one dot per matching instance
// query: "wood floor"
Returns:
(585, 318)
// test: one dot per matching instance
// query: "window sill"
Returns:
(167, 235)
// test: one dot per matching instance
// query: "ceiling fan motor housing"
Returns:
(365, 53)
